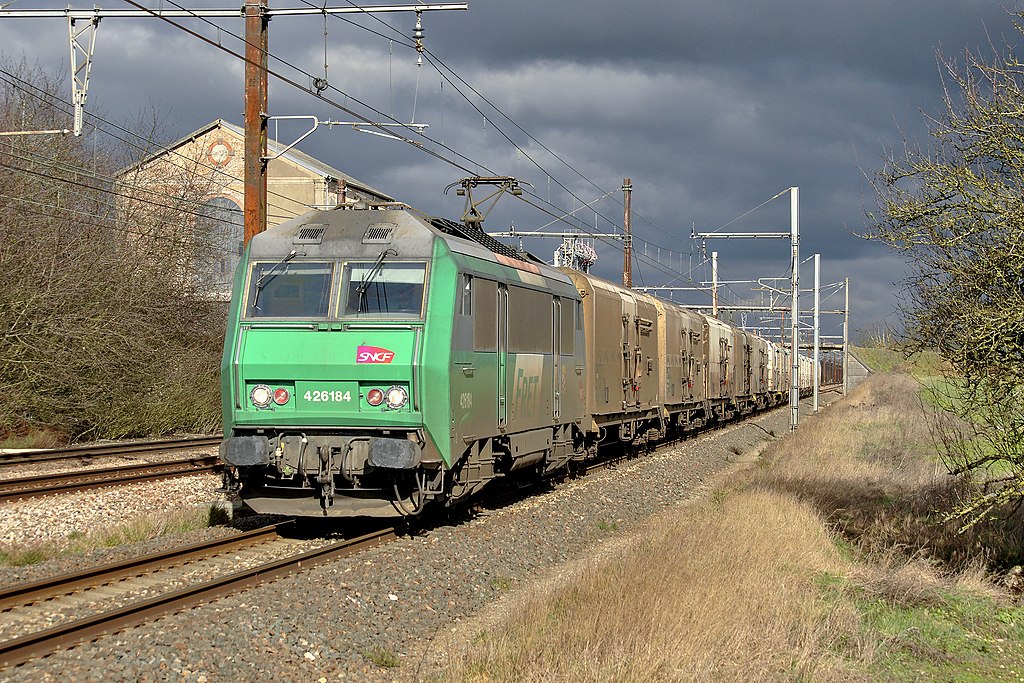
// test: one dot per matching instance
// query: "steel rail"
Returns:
(82, 480)
(109, 450)
(21, 650)
(65, 584)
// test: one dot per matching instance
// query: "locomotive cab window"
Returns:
(467, 294)
(384, 290)
(289, 290)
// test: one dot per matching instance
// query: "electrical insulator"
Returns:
(418, 38)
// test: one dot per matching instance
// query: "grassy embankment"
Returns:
(827, 561)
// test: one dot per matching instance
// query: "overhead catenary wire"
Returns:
(436, 62)
(61, 106)
(293, 83)
(114, 226)
(347, 110)
(382, 114)
(367, 121)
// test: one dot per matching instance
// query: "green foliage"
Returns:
(920, 364)
(954, 210)
(962, 637)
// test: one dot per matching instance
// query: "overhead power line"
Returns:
(459, 157)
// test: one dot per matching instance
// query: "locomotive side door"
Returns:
(556, 355)
(502, 355)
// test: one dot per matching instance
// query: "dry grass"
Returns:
(807, 568)
(831, 560)
(869, 466)
(725, 591)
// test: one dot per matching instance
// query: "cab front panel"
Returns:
(328, 374)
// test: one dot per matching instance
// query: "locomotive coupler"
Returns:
(326, 478)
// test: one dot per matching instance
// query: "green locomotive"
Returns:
(377, 359)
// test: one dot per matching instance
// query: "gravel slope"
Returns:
(344, 620)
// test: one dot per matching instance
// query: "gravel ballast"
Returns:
(375, 616)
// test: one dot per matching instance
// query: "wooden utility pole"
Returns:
(627, 225)
(714, 284)
(255, 180)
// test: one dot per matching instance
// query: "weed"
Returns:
(718, 497)
(383, 658)
(21, 558)
(31, 437)
(603, 525)
(501, 583)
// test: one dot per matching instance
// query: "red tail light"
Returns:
(281, 396)
(375, 397)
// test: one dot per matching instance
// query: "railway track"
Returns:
(40, 643)
(66, 635)
(83, 480)
(108, 450)
(89, 477)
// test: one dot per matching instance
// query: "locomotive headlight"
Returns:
(397, 397)
(261, 396)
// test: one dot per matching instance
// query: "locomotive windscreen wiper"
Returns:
(267, 276)
(369, 277)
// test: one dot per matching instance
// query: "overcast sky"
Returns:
(710, 107)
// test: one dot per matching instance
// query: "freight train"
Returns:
(378, 360)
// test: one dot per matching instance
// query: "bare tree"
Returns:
(955, 209)
(101, 331)
(877, 335)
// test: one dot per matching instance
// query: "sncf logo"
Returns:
(373, 354)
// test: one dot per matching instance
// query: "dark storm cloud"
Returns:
(877, 36)
(710, 107)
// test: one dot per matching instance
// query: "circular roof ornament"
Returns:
(220, 153)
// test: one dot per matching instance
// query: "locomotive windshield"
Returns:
(289, 290)
(381, 289)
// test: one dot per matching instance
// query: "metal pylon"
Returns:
(83, 41)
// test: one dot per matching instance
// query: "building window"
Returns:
(219, 243)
